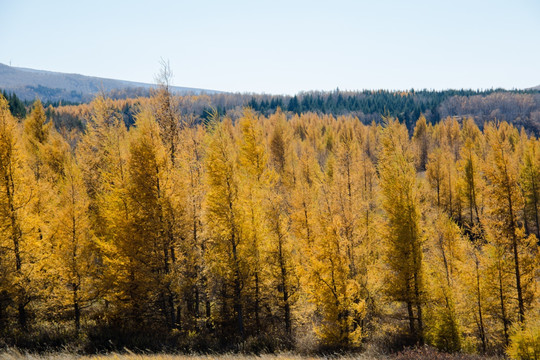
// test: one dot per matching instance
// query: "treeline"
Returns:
(264, 233)
(521, 108)
(16, 106)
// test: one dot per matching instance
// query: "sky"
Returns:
(281, 47)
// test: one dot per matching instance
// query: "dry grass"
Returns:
(412, 354)
(17, 355)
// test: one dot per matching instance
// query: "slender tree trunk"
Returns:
(445, 261)
(521, 307)
(284, 288)
(178, 317)
(208, 313)
(16, 235)
(257, 304)
(451, 209)
(503, 305)
(308, 233)
(412, 327)
(419, 310)
(479, 304)
(77, 311)
(473, 193)
(416, 253)
(238, 309)
(438, 193)
(471, 207)
(535, 203)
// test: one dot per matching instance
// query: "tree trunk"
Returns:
(503, 306)
(521, 307)
(285, 291)
(479, 303)
(77, 312)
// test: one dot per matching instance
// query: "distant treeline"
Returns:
(519, 107)
(16, 106)
(19, 107)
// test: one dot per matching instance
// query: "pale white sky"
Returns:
(281, 47)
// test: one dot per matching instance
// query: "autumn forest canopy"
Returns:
(261, 223)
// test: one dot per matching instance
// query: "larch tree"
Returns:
(75, 253)
(334, 261)
(498, 271)
(281, 257)
(449, 133)
(98, 154)
(470, 184)
(476, 291)
(304, 193)
(165, 110)
(227, 246)
(436, 175)
(530, 184)
(16, 199)
(121, 280)
(193, 278)
(421, 139)
(506, 201)
(102, 156)
(255, 182)
(403, 230)
(370, 224)
(147, 191)
(305, 228)
(441, 175)
(46, 152)
(444, 261)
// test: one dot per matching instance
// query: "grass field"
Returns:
(410, 355)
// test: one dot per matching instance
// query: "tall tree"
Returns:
(470, 184)
(530, 184)
(403, 233)
(74, 257)
(193, 284)
(421, 138)
(502, 171)
(16, 197)
(147, 191)
(227, 245)
(165, 110)
(445, 256)
(281, 257)
(255, 182)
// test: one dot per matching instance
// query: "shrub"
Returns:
(525, 342)
(447, 335)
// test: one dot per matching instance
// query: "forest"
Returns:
(518, 107)
(259, 232)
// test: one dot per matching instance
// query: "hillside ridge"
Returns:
(29, 84)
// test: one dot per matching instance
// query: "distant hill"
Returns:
(54, 86)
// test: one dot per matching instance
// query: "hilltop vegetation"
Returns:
(259, 233)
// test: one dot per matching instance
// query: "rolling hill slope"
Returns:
(29, 84)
